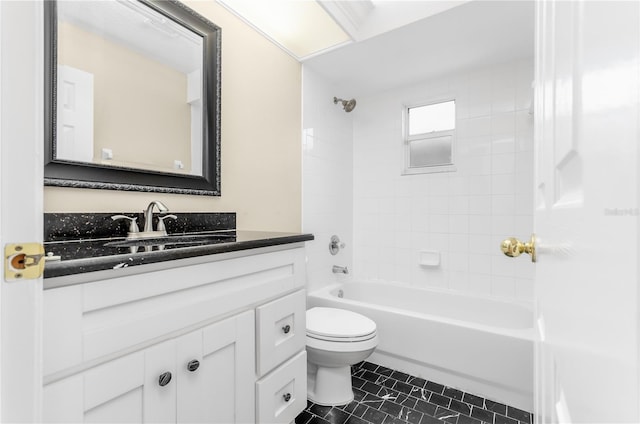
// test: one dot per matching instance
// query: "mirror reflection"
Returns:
(129, 88)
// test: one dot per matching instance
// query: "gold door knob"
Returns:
(513, 247)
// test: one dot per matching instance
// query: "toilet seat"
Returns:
(342, 339)
(339, 325)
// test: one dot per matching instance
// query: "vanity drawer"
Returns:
(282, 395)
(281, 330)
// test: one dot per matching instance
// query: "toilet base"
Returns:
(329, 386)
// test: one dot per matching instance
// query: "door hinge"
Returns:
(24, 261)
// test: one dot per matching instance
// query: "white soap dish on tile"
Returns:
(429, 258)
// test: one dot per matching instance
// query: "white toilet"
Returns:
(336, 339)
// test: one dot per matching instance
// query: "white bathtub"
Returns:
(479, 345)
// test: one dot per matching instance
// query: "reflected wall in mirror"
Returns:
(133, 96)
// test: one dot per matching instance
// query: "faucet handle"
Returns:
(161, 219)
(133, 225)
(335, 245)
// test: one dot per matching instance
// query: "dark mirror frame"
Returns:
(87, 175)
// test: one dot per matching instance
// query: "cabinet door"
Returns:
(220, 388)
(112, 392)
(160, 383)
(128, 389)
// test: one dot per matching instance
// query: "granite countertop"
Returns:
(82, 256)
(81, 243)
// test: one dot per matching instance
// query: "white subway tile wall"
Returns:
(327, 194)
(463, 214)
(353, 187)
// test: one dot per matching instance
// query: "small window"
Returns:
(429, 133)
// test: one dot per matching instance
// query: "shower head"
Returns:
(347, 105)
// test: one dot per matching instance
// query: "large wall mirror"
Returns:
(132, 97)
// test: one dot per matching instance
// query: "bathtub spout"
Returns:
(340, 269)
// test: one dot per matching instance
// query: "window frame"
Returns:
(407, 139)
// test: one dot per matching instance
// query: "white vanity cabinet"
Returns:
(219, 342)
(203, 376)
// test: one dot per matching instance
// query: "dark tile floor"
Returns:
(385, 396)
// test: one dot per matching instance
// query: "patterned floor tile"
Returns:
(386, 396)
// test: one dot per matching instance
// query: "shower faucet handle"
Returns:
(335, 245)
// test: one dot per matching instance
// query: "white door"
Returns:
(74, 133)
(586, 217)
(21, 150)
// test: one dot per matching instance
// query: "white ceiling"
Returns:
(305, 28)
(302, 28)
(393, 42)
(474, 34)
(363, 19)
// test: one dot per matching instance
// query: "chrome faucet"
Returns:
(339, 269)
(148, 214)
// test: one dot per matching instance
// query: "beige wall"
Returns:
(140, 105)
(261, 148)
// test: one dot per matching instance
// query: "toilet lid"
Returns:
(338, 323)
